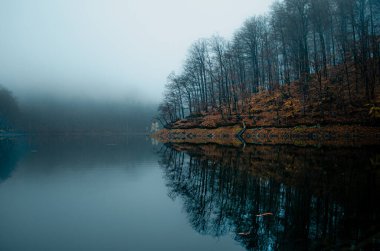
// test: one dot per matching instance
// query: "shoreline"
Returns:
(328, 135)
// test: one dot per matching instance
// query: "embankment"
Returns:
(333, 135)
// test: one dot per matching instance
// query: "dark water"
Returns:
(124, 193)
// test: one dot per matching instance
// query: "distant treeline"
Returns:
(48, 115)
(299, 41)
(9, 110)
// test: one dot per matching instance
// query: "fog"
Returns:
(105, 51)
(49, 115)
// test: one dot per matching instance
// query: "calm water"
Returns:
(125, 193)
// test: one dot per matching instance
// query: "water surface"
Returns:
(91, 193)
(124, 193)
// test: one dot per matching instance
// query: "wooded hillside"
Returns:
(306, 62)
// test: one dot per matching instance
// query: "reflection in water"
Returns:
(320, 198)
(92, 193)
(11, 151)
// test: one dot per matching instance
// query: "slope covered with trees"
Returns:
(306, 62)
(54, 115)
(9, 110)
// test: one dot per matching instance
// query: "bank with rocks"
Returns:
(332, 135)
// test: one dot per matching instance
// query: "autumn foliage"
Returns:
(306, 63)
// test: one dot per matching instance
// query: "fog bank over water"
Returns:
(43, 113)
(101, 65)
(47, 114)
(106, 49)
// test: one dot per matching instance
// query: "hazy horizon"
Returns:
(106, 50)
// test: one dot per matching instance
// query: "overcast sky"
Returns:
(107, 48)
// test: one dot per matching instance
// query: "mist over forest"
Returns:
(98, 66)
(55, 114)
(87, 116)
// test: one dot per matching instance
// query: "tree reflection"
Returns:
(320, 198)
(11, 151)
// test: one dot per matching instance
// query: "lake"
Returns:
(131, 193)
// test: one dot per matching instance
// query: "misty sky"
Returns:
(107, 48)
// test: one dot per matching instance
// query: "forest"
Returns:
(44, 114)
(9, 109)
(316, 58)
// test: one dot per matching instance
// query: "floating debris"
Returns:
(245, 233)
(264, 214)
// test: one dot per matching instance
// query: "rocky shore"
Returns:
(333, 135)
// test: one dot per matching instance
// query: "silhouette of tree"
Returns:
(300, 41)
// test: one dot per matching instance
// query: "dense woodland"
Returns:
(327, 50)
(9, 109)
(48, 115)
